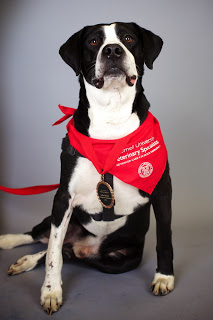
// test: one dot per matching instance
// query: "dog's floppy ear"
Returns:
(70, 52)
(152, 46)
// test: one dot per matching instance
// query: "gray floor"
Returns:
(89, 294)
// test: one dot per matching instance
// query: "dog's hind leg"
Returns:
(9, 241)
(27, 263)
(39, 233)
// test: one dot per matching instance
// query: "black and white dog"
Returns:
(109, 60)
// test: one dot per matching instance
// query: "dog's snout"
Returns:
(113, 51)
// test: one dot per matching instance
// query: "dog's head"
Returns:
(118, 51)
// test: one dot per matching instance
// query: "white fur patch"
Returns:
(127, 198)
(102, 228)
(26, 263)
(110, 112)
(112, 38)
(9, 241)
(83, 185)
(162, 284)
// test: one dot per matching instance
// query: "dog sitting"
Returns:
(109, 60)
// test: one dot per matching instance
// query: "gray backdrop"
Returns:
(34, 80)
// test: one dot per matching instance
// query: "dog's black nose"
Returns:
(113, 51)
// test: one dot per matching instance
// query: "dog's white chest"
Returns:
(82, 188)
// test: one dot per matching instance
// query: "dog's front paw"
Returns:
(51, 299)
(162, 284)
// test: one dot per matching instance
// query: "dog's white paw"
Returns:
(23, 264)
(9, 241)
(162, 284)
(51, 298)
(26, 263)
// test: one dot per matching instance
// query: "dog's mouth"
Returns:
(114, 73)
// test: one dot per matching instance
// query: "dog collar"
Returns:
(138, 159)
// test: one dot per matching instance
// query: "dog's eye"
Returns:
(94, 42)
(128, 38)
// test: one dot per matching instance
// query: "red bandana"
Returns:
(138, 159)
